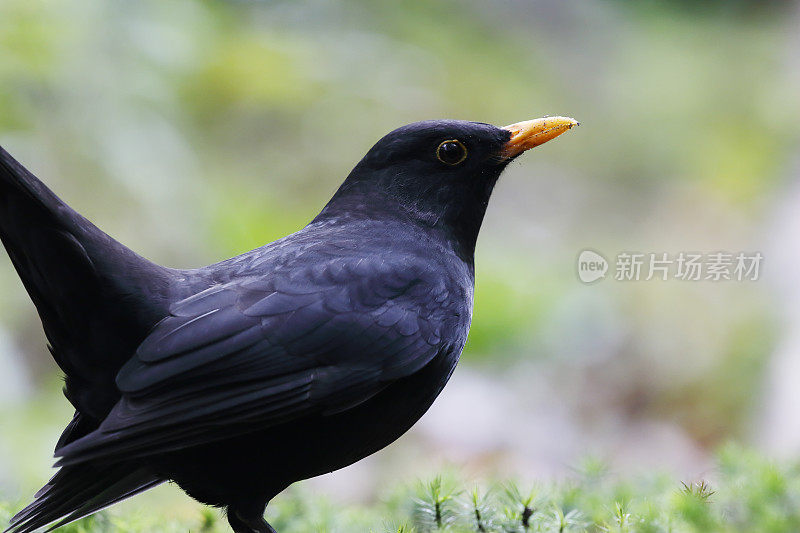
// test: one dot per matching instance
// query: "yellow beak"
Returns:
(526, 135)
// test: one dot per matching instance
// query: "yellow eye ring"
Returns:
(451, 152)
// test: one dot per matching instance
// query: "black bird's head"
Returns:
(439, 174)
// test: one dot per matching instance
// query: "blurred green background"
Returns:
(194, 130)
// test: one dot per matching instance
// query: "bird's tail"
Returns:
(96, 298)
(78, 491)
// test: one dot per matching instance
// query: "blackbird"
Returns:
(292, 360)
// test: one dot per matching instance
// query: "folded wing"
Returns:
(255, 353)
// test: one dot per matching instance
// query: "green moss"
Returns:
(748, 492)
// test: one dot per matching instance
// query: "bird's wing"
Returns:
(250, 354)
(96, 298)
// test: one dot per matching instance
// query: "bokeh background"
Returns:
(194, 130)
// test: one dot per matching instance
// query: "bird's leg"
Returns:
(256, 526)
(237, 525)
(248, 518)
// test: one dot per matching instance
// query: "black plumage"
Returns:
(292, 360)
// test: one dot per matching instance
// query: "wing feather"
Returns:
(254, 353)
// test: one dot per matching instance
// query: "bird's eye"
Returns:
(451, 152)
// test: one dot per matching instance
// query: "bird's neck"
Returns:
(453, 215)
